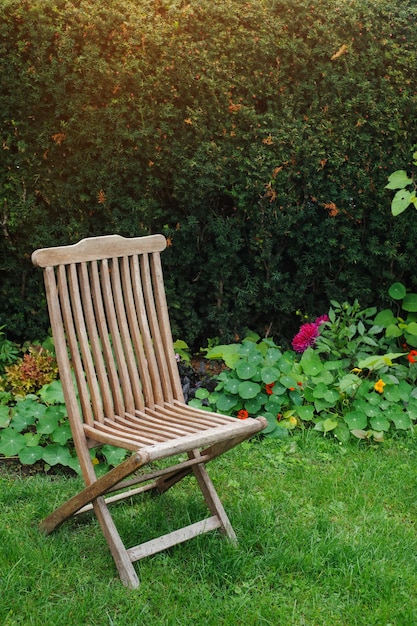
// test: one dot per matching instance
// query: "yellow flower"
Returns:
(379, 386)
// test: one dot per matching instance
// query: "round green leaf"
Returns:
(356, 420)
(269, 375)
(321, 404)
(202, 393)
(272, 356)
(393, 331)
(288, 382)
(114, 455)
(29, 409)
(48, 424)
(32, 439)
(325, 377)
(255, 358)
(273, 405)
(410, 303)
(401, 201)
(29, 456)
(405, 390)
(232, 385)
(286, 362)
(247, 348)
(20, 421)
(61, 434)
(392, 393)
(306, 412)
(329, 424)
(398, 179)
(197, 404)
(52, 393)
(272, 423)
(254, 405)
(11, 442)
(385, 318)
(320, 391)
(397, 291)
(411, 328)
(296, 397)
(371, 410)
(311, 363)
(332, 396)
(246, 370)
(248, 390)
(56, 411)
(401, 421)
(226, 403)
(341, 432)
(380, 423)
(55, 454)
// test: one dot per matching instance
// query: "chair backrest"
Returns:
(110, 324)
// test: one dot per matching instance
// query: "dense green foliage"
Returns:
(256, 135)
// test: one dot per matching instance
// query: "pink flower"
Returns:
(306, 337)
(308, 334)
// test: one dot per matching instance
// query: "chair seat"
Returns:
(171, 428)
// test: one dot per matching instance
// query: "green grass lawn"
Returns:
(327, 536)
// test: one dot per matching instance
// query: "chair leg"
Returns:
(120, 555)
(212, 499)
(90, 493)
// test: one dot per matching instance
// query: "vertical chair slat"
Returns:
(127, 341)
(83, 341)
(154, 327)
(116, 340)
(94, 342)
(146, 383)
(165, 325)
(104, 335)
(66, 310)
(151, 362)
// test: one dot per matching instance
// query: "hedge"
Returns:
(257, 136)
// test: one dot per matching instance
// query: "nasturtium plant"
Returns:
(352, 381)
(35, 430)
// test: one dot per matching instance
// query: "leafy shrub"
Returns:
(35, 369)
(9, 351)
(35, 430)
(254, 134)
(352, 380)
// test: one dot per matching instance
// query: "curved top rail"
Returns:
(98, 248)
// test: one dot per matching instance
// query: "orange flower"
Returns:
(243, 414)
(268, 388)
(411, 356)
(379, 386)
(101, 197)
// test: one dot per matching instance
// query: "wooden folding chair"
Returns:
(117, 365)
